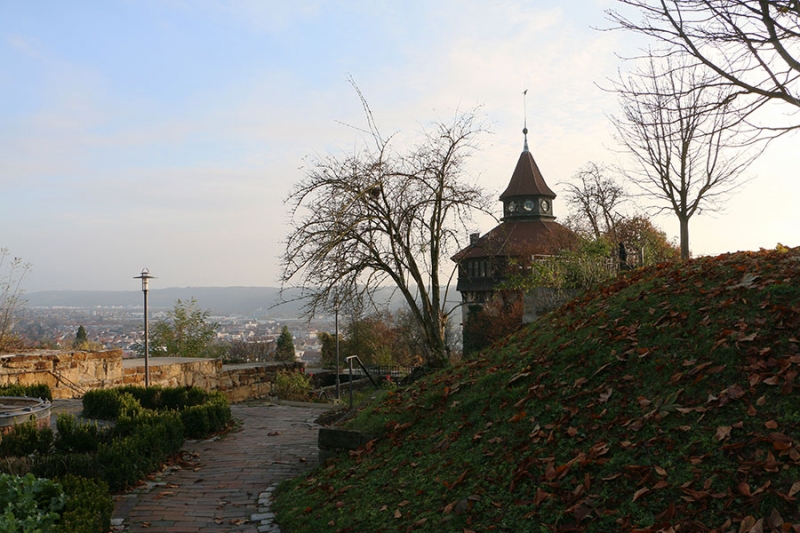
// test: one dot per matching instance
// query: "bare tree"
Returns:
(750, 46)
(12, 272)
(595, 199)
(686, 149)
(381, 217)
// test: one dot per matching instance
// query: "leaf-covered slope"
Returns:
(664, 401)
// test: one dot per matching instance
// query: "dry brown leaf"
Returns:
(518, 417)
(723, 432)
(795, 488)
(743, 488)
(771, 424)
(639, 493)
(398, 514)
(775, 519)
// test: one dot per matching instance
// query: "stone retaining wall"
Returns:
(69, 374)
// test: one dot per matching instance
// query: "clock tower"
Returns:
(527, 196)
(528, 232)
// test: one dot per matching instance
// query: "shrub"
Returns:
(40, 390)
(55, 465)
(139, 446)
(292, 386)
(200, 421)
(74, 436)
(101, 403)
(88, 506)
(30, 505)
(26, 439)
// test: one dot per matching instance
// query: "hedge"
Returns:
(40, 390)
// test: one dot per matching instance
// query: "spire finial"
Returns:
(525, 120)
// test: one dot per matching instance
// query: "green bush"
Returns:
(77, 437)
(101, 403)
(150, 427)
(200, 421)
(88, 507)
(30, 505)
(139, 446)
(40, 390)
(292, 386)
(25, 439)
(59, 464)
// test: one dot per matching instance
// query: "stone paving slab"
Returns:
(224, 484)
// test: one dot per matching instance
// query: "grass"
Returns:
(663, 401)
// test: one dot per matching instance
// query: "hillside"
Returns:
(663, 401)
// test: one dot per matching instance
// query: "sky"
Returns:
(167, 133)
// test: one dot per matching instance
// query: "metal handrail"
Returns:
(69, 383)
(349, 361)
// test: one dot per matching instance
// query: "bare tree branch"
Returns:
(687, 153)
(383, 217)
(750, 46)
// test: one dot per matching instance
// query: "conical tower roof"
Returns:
(527, 179)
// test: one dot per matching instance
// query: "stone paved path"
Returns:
(223, 485)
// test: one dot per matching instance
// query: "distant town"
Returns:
(121, 326)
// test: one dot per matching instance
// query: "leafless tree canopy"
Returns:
(385, 217)
(750, 46)
(595, 199)
(687, 154)
(12, 272)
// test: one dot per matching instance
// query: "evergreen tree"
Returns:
(285, 346)
(81, 339)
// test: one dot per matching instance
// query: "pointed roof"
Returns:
(517, 237)
(527, 179)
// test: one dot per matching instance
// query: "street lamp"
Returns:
(336, 310)
(146, 277)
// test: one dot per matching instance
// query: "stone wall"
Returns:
(242, 382)
(69, 374)
(201, 373)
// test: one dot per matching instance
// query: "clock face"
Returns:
(545, 205)
(512, 206)
(528, 205)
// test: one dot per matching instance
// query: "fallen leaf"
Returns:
(639, 493)
(518, 417)
(771, 424)
(660, 471)
(398, 514)
(743, 488)
(775, 519)
(723, 432)
(795, 488)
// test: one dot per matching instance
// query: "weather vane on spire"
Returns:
(525, 119)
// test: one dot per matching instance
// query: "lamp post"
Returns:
(146, 277)
(336, 310)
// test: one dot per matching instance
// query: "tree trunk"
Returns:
(684, 237)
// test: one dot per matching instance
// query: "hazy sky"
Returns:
(167, 133)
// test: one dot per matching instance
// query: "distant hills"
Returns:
(228, 301)
(246, 301)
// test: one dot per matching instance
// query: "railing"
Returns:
(72, 385)
(349, 361)
(394, 371)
